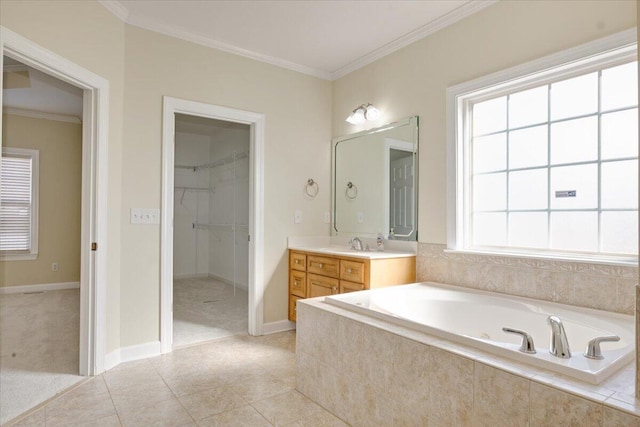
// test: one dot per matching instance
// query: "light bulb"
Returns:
(372, 112)
(358, 116)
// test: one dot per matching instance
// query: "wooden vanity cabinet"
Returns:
(314, 275)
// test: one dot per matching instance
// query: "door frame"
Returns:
(171, 106)
(95, 124)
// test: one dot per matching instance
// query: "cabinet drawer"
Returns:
(322, 286)
(292, 307)
(298, 283)
(350, 286)
(297, 261)
(322, 265)
(352, 271)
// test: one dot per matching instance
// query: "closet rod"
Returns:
(226, 160)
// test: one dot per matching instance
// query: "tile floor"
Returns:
(39, 335)
(236, 381)
(207, 309)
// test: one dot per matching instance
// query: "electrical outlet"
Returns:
(327, 217)
(55, 266)
(360, 217)
(297, 217)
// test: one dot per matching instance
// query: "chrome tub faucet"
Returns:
(559, 345)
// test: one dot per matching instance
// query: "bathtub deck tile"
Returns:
(616, 418)
(498, 396)
(630, 407)
(550, 406)
(451, 390)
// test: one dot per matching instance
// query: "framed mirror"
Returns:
(375, 182)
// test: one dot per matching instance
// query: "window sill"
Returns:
(18, 257)
(587, 259)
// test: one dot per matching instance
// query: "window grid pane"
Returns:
(582, 160)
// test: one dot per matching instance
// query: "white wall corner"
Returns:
(279, 326)
(131, 353)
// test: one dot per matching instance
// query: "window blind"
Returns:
(15, 203)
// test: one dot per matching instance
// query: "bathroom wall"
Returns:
(90, 36)
(60, 181)
(414, 80)
(297, 147)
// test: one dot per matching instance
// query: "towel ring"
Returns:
(312, 188)
(351, 192)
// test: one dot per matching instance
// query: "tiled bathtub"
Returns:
(372, 373)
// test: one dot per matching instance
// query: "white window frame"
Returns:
(606, 52)
(32, 254)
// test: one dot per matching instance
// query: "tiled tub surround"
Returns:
(599, 286)
(369, 372)
(477, 318)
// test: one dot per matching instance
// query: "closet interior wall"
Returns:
(212, 203)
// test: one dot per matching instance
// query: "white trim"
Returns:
(432, 27)
(95, 116)
(616, 48)
(44, 287)
(41, 115)
(278, 326)
(171, 106)
(131, 353)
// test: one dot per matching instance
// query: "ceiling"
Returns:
(25, 88)
(326, 39)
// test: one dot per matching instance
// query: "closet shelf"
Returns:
(224, 161)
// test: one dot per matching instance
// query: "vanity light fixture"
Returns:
(362, 113)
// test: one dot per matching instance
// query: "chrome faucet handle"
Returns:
(593, 348)
(527, 341)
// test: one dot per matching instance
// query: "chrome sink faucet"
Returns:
(356, 244)
(559, 346)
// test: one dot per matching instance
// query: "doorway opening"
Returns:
(210, 234)
(79, 281)
(212, 222)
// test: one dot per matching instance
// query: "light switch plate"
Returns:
(327, 217)
(297, 217)
(360, 217)
(145, 216)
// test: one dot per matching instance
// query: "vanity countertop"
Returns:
(335, 246)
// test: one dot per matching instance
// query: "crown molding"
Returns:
(41, 115)
(152, 25)
(117, 8)
(450, 18)
(14, 68)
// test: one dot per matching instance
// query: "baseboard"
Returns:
(279, 326)
(131, 353)
(190, 276)
(22, 289)
(229, 282)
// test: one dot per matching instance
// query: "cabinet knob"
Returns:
(334, 289)
(297, 261)
(320, 265)
(348, 270)
(295, 282)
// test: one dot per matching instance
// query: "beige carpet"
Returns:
(39, 336)
(206, 309)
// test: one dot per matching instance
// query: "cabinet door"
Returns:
(322, 286)
(353, 271)
(297, 261)
(298, 283)
(324, 266)
(346, 286)
(292, 307)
